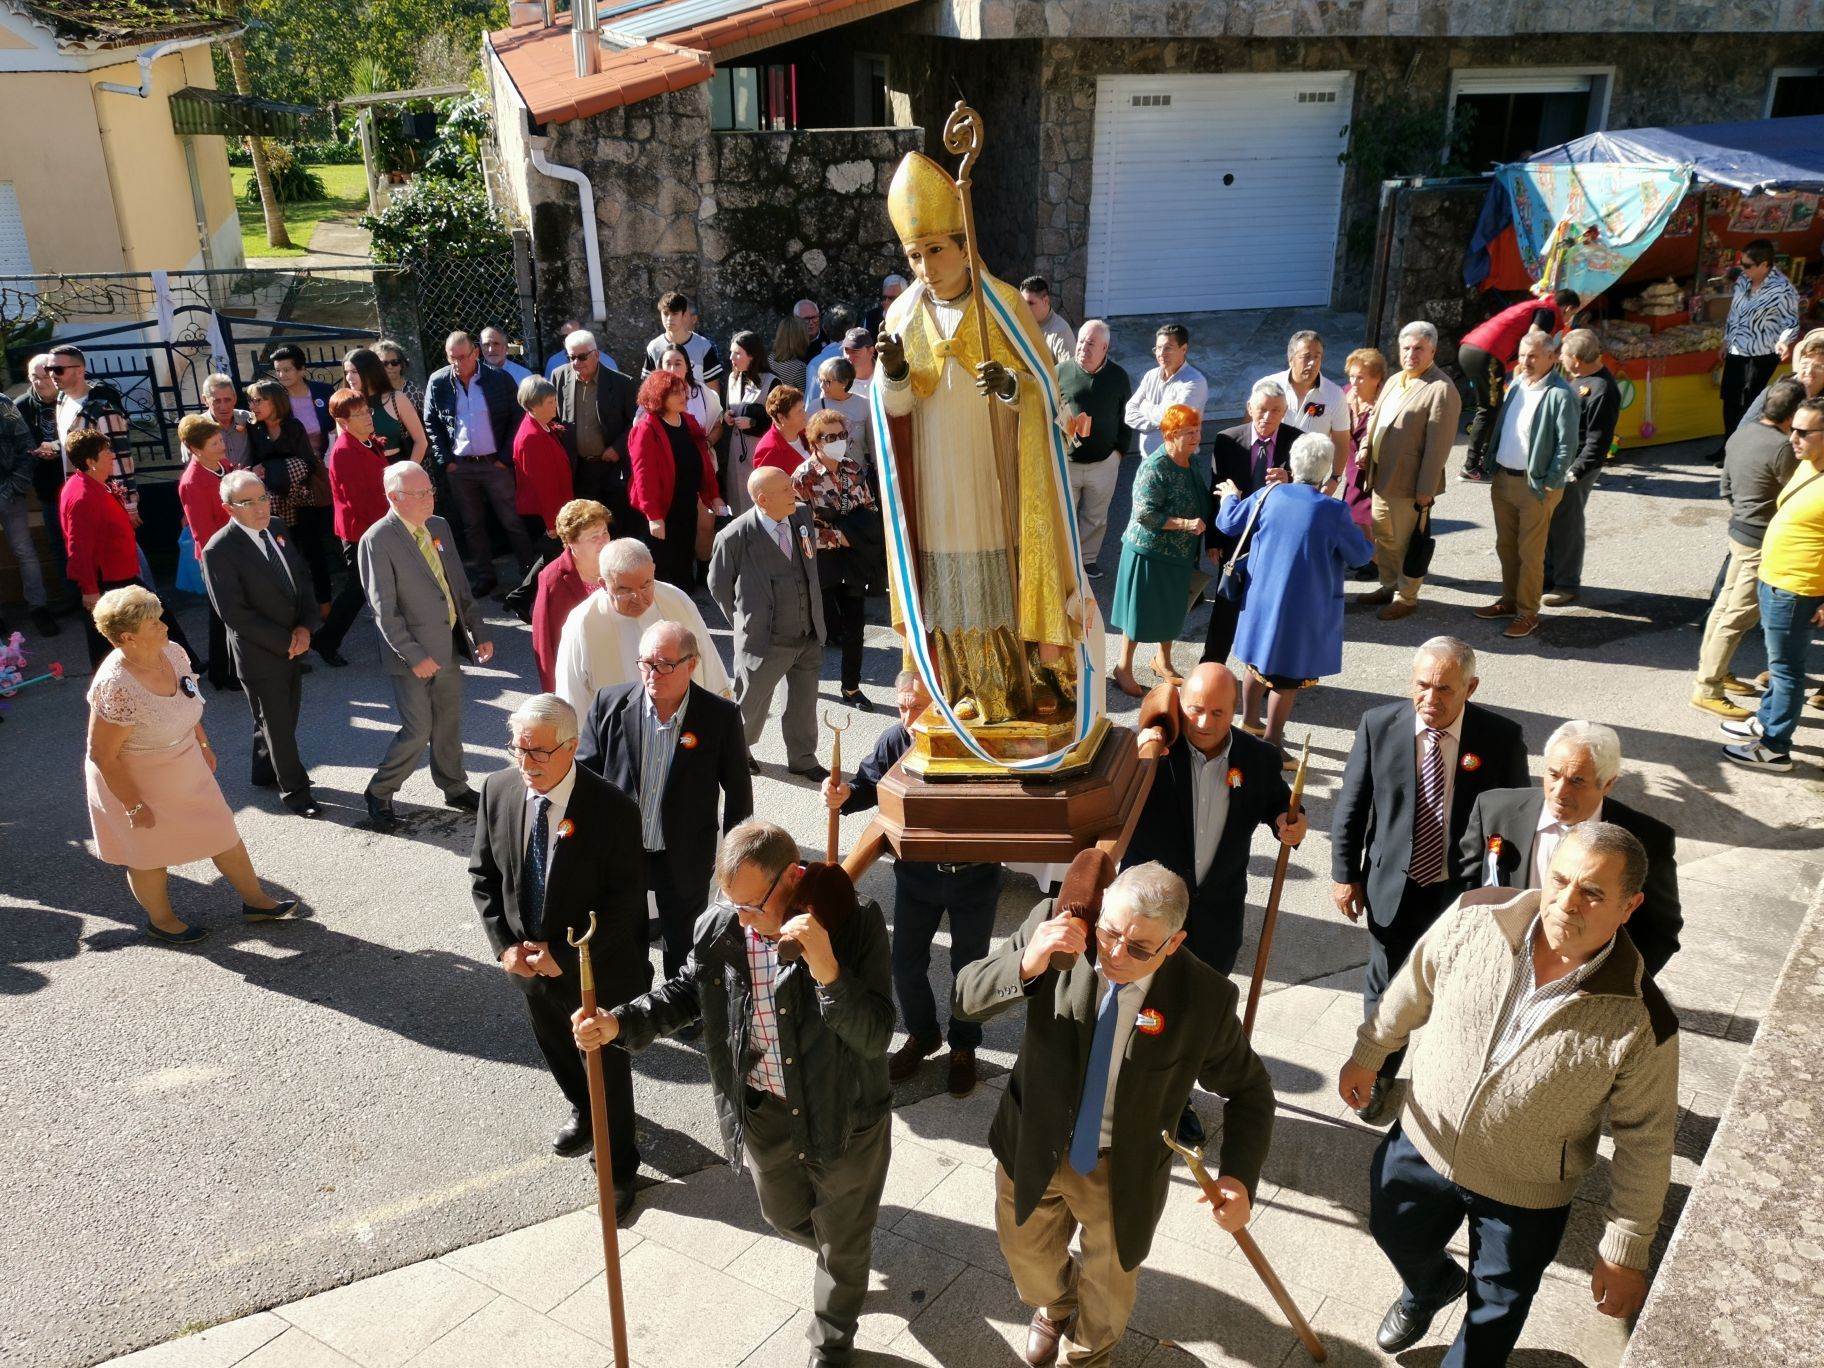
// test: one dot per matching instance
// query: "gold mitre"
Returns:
(923, 201)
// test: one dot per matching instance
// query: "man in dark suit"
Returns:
(539, 867)
(597, 406)
(763, 575)
(671, 745)
(1111, 1048)
(1256, 453)
(1413, 777)
(1513, 832)
(261, 590)
(471, 413)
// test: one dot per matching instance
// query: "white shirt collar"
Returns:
(1548, 822)
(560, 792)
(1454, 731)
(258, 539)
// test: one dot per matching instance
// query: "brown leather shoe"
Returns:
(1374, 598)
(1500, 608)
(1042, 1336)
(1522, 626)
(904, 1061)
(962, 1072)
(1396, 610)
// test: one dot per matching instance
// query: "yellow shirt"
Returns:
(1792, 554)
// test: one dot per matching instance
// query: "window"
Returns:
(753, 98)
(1515, 112)
(871, 91)
(1794, 91)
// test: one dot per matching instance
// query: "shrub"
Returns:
(436, 217)
(292, 181)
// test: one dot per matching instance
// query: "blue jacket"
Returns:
(497, 388)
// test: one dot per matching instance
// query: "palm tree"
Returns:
(276, 236)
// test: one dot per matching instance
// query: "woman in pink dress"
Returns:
(153, 799)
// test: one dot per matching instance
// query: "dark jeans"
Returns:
(314, 529)
(682, 895)
(346, 607)
(1413, 1213)
(1744, 377)
(1564, 543)
(476, 487)
(923, 892)
(1486, 375)
(1388, 947)
(844, 617)
(1786, 629)
(549, 1002)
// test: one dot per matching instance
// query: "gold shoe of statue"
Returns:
(965, 709)
(1044, 701)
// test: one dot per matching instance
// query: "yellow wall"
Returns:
(63, 191)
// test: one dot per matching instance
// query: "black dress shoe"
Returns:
(1404, 1326)
(573, 1137)
(814, 772)
(331, 657)
(263, 780)
(857, 700)
(1190, 1128)
(380, 811)
(466, 799)
(623, 1202)
(753, 765)
(305, 806)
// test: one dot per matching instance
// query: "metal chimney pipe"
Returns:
(584, 38)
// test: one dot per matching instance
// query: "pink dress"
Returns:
(191, 818)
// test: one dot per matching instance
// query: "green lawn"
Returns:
(347, 189)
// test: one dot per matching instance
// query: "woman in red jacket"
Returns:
(674, 475)
(541, 464)
(564, 584)
(784, 447)
(356, 464)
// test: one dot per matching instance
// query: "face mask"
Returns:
(834, 448)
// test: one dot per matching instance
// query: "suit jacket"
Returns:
(615, 405)
(1371, 830)
(599, 867)
(440, 412)
(1232, 458)
(1201, 1042)
(1420, 425)
(256, 605)
(1512, 814)
(743, 588)
(408, 606)
(613, 738)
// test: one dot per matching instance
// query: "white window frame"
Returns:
(1543, 80)
(1773, 82)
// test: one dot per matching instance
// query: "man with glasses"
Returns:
(842, 324)
(260, 587)
(1173, 381)
(597, 406)
(599, 646)
(1070, 1162)
(82, 406)
(788, 978)
(38, 406)
(538, 875)
(673, 746)
(427, 618)
(471, 413)
(890, 289)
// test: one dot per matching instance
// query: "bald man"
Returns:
(763, 575)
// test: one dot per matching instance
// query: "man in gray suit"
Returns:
(426, 614)
(763, 574)
(261, 590)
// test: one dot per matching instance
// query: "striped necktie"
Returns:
(434, 560)
(1427, 865)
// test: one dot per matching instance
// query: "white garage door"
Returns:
(1216, 192)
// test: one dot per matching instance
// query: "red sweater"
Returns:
(560, 590)
(654, 476)
(98, 534)
(357, 485)
(1500, 336)
(541, 468)
(199, 491)
(775, 452)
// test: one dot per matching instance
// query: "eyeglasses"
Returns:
(250, 503)
(582, 355)
(752, 909)
(414, 493)
(664, 667)
(393, 365)
(1140, 954)
(537, 753)
(1806, 432)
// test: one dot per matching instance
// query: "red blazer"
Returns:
(560, 590)
(199, 491)
(780, 454)
(98, 534)
(357, 485)
(542, 467)
(654, 479)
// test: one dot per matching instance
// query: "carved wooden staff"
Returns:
(833, 845)
(1279, 885)
(604, 1164)
(1194, 1157)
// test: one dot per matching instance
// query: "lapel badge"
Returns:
(1234, 777)
(1494, 845)
(688, 740)
(1471, 762)
(564, 828)
(438, 543)
(1150, 1022)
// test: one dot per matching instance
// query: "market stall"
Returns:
(1647, 224)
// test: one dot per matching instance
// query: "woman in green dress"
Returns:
(396, 422)
(1160, 548)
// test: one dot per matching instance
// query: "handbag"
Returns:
(1419, 549)
(706, 531)
(1233, 585)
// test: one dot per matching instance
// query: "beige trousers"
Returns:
(1392, 524)
(1736, 612)
(1095, 1287)
(1522, 524)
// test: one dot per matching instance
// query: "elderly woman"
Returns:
(784, 448)
(1291, 630)
(287, 464)
(673, 477)
(1366, 371)
(1807, 369)
(750, 380)
(396, 421)
(153, 798)
(835, 487)
(541, 464)
(1160, 548)
(582, 526)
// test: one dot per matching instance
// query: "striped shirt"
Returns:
(1528, 1002)
(1756, 321)
(658, 744)
(768, 1074)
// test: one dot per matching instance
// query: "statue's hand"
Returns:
(891, 353)
(991, 377)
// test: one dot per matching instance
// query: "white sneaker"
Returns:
(1756, 756)
(1748, 729)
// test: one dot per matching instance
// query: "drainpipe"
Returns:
(585, 194)
(584, 38)
(151, 55)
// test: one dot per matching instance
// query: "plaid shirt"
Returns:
(101, 409)
(1528, 1002)
(768, 1074)
(831, 494)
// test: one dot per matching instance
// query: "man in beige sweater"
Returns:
(1541, 1018)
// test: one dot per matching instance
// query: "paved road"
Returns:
(195, 1135)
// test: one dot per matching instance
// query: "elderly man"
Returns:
(763, 576)
(1413, 777)
(1249, 455)
(1535, 441)
(38, 406)
(1598, 408)
(538, 875)
(1094, 392)
(1486, 353)
(427, 617)
(1315, 404)
(597, 405)
(1513, 833)
(1173, 381)
(494, 352)
(1163, 1020)
(1409, 437)
(471, 413)
(236, 423)
(1059, 335)
(1763, 308)
(1542, 1017)
(635, 737)
(18, 466)
(924, 891)
(796, 1041)
(678, 328)
(890, 289)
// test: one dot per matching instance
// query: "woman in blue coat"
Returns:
(1291, 630)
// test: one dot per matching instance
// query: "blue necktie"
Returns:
(532, 902)
(1086, 1140)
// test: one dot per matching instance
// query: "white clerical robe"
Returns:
(599, 647)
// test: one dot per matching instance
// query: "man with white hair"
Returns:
(1248, 456)
(538, 873)
(1173, 381)
(1155, 1023)
(1315, 403)
(597, 406)
(1093, 391)
(1512, 833)
(890, 289)
(38, 406)
(599, 647)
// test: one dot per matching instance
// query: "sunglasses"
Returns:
(59, 370)
(1140, 954)
(393, 365)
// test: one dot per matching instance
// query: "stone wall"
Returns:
(1430, 232)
